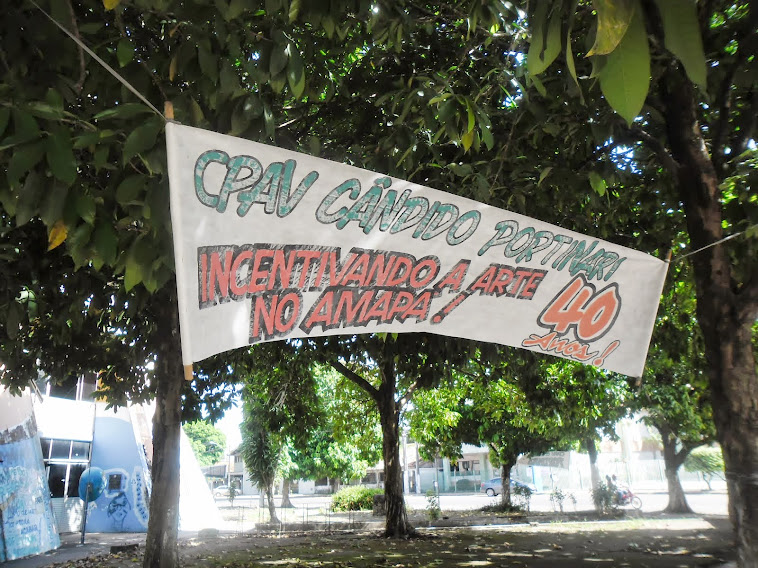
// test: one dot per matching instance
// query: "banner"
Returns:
(272, 244)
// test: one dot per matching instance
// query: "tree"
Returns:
(517, 403)
(673, 394)
(436, 93)
(261, 450)
(705, 149)
(207, 441)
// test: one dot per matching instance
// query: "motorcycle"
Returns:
(625, 497)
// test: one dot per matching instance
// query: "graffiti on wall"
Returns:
(27, 525)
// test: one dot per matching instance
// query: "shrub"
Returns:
(707, 460)
(523, 494)
(604, 498)
(433, 505)
(556, 498)
(355, 498)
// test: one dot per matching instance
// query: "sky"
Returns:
(229, 425)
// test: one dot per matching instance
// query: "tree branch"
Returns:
(82, 66)
(657, 147)
(355, 378)
(723, 99)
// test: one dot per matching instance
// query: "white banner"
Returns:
(272, 244)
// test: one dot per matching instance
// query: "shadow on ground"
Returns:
(535, 542)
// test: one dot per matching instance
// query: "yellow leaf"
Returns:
(172, 69)
(57, 236)
(613, 19)
(111, 4)
(467, 140)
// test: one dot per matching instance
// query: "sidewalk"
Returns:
(95, 544)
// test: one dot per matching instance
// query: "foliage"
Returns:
(354, 498)
(557, 497)
(523, 495)
(232, 493)
(516, 403)
(706, 460)
(604, 498)
(433, 509)
(438, 93)
(208, 442)
(261, 449)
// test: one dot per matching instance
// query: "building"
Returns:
(66, 432)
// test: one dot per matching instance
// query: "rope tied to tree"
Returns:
(107, 67)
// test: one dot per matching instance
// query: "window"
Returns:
(75, 471)
(45, 444)
(65, 461)
(114, 482)
(56, 479)
(80, 451)
(61, 450)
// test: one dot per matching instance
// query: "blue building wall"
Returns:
(27, 525)
(124, 504)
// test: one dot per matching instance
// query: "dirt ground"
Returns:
(535, 541)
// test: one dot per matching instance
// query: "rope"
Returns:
(101, 62)
(730, 237)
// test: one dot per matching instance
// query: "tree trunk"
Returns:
(505, 477)
(673, 461)
(396, 523)
(725, 314)
(286, 494)
(589, 443)
(271, 504)
(160, 545)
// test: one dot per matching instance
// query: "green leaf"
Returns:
(106, 242)
(538, 85)
(124, 51)
(625, 78)
(133, 273)
(570, 54)
(142, 138)
(85, 207)
(613, 19)
(78, 244)
(54, 99)
(295, 72)
(546, 40)
(24, 158)
(29, 198)
(138, 263)
(279, 58)
(328, 23)
(25, 128)
(5, 115)
(13, 319)
(487, 137)
(53, 203)
(207, 61)
(268, 120)
(123, 111)
(545, 172)
(682, 36)
(60, 155)
(129, 190)
(236, 7)
(294, 10)
(598, 183)
(467, 139)
(44, 110)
